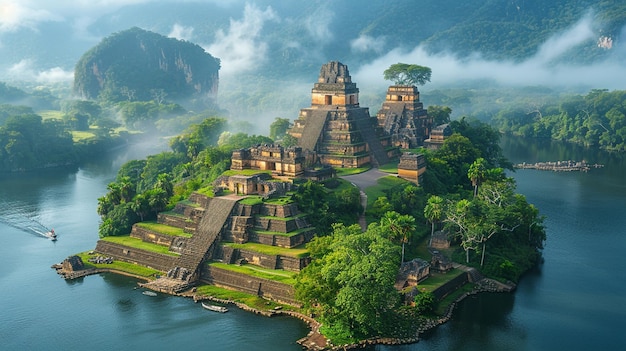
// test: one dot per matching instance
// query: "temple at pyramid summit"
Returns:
(336, 128)
(404, 118)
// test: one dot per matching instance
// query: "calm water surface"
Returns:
(574, 301)
(41, 311)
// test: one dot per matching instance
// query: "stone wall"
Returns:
(450, 286)
(151, 237)
(149, 259)
(256, 286)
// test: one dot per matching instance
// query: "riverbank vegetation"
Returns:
(349, 284)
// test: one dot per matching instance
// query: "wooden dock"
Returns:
(560, 166)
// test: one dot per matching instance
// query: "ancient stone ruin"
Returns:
(336, 128)
(404, 118)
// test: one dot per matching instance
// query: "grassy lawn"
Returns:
(376, 191)
(138, 244)
(120, 266)
(270, 250)
(350, 171)
(391, 167)
(163, 229)
(292, 233)
(241, 297)
(280, 276)
(438, 279)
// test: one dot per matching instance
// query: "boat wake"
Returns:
(22, 220)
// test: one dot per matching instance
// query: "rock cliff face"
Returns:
(140, 65)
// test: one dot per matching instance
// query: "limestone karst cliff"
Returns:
(136, 64)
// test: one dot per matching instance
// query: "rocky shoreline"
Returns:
(314, 340)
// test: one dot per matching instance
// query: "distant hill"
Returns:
(136, 64)
(300, 36)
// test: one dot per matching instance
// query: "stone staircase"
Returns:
(312, 129)
(378, 155)
(208, 231)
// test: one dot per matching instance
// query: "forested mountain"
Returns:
(292, 38)
(136, 64)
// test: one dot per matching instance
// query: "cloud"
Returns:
(24, 71)
(15, 15)
(241, 48)
(540, 69)
(318, 24)
(366, 43)
(181, 32)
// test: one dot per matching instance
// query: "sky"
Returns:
(242, 47)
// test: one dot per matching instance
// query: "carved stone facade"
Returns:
(337, 128)
(275, 158)
(404, 118)
(438, 136)
(411, 273)
(412, 167)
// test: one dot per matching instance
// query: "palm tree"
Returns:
(400, 226)
(477, 172)
(433, 211)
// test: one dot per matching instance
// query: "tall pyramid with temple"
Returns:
(336, 128)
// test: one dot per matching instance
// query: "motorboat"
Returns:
(149, 293)
(51, 235)
(215, 308)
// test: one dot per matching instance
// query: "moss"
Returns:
(138, 244)
(277, 275)
(163, 229)
(271, 250)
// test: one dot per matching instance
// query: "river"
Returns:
(575, 299)
(572, 301)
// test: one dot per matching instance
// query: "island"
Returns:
(369, 228)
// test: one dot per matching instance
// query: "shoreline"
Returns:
(314, 338)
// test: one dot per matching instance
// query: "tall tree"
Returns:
(433, 211)
(407, 74)
(477, 173)
(400, 227)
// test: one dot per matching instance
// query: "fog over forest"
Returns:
(41, 40)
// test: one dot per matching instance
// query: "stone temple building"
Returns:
(404, 118)
(336, 128)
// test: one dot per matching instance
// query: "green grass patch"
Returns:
(121, 266)
(438, 279)
(292, 233)
(298, 252)
(378, 190)
(241, 297)
(163, 229)
(244, 172)
(350, 171)
(207, 191)
(281, 200)
(276, 275)
(138, 244)
(443, 305)
(391, 167)
(251, 200)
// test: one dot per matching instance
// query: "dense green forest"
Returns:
(139, 65)
(349, 284)
(597, 119)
